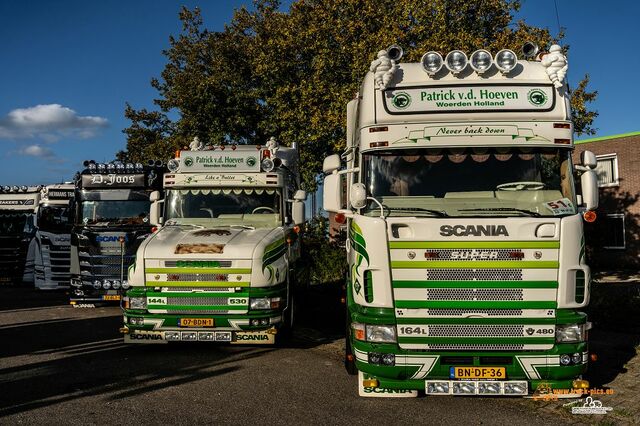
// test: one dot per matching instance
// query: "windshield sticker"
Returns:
(199, 248)
(508, 131)
(561, 206)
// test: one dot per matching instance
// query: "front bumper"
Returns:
(238, 337)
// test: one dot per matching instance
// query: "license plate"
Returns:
(497, 373)
(111, 297)
(195, 322)
(5, 279)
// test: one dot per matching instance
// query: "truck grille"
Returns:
(198, 301)
(475, 330)
(474, 294)
(467, 274)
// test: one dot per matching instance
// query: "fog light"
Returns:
(172, 335)
(515, 388)
(77, 283)
(437, 388)
(106, 284)
(206, 336)
(374, 358)
(489, 388)
(125, 284)
(267, 165)
(97, 284)
(576, 358)
(136, 321)
(565, 359)
(389, 359)
(461, 388)
(580, 384)
(370, 383)
(189, 335)
(173, 165)
(116, 284)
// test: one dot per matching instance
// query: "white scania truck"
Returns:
(220, 268)
(466, 250)
(18, 205)
(51, 246)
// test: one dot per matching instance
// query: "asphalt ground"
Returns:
(60, 365)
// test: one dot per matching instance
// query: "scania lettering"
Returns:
(18, 206)
(221, 267)
(53, 238)
(465, 246)
(110, 215)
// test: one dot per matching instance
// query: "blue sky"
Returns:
(68, 67)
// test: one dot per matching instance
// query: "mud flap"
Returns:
(382, 392)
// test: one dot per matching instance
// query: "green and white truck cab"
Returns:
(220, 266)
(466, 250)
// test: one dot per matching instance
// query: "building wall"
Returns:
(622, 198)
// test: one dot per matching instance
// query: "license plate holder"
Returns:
(478, 373)
(196, 322)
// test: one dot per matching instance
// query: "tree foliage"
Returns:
(291, 74)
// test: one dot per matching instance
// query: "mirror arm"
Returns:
(379, 205)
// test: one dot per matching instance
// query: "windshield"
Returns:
(224, 206)
(115, 212)
(14, 224)
(54, 219)
(471, 182)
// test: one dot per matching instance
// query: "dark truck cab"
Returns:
(110, 215)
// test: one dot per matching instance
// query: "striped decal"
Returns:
(475, 244)
(407, 264)
(273, 252)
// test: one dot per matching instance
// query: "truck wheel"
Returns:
(349, 359)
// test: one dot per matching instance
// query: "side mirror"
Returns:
(155, 211)
(358, 196)
(331, 163)
(300, 195)
(589, 183)
(588, 159)
(332, 193)
(297, 211)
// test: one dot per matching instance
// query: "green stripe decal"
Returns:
(475, 284)
(197, 284)
(473, 304)
(476, 264)
(477, 321)
(474, 244)
(274, 245)
(197, 270)
(478, 340)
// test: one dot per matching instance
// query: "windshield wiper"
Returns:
(438, 213)
(243, 227)
(503, 209)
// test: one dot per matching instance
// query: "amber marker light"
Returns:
(370, 383)
(296, 229)
(589, 216)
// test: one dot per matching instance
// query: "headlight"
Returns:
(260, 303)
(138, 303)
(570, 333)
(173, 165)
(381, 333)
(456, 61)
(267, 165)
(106, 284)
(116, 284)
(125, 284)
(506, 60)
(481, 61)
(97, 284)
(431, 62)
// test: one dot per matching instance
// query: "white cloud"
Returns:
(50, 123)
(37, 151)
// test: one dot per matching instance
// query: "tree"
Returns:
(291, 74)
